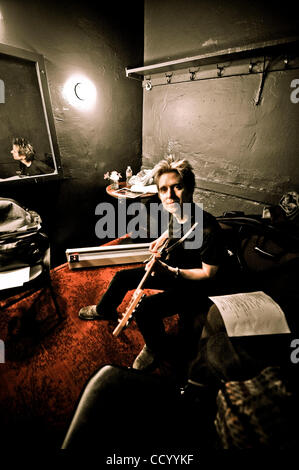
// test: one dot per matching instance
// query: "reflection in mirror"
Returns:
(28, 145)
(29, 165)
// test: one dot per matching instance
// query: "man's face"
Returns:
(172, 192)
(15, 152)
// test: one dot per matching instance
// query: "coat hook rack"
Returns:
(221, 56)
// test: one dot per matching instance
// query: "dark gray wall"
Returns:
(182, 28)
(242, 151)
(97, 39)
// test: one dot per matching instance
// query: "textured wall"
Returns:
(240, 149)
(179, 28)
(99, 41)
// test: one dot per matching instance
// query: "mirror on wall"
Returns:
(28, 143)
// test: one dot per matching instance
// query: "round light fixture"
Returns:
(80, 92)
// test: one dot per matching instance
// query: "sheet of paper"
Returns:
(140, 188)
(253, 313)
(14, 278)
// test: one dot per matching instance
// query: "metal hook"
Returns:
(168, 76)
(148, 85)
(262, 82)
(251, 65)
(220, 70)
(193, 73)
(286, 62)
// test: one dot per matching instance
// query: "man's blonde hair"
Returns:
(182, 167)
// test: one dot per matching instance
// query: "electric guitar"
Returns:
(139, 292)
(136, 298)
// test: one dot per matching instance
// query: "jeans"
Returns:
(186, 298)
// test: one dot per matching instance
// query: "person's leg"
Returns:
(149, 318)
(215, 355)
(196, 321)
(122, 281)
(190, 300)
(106, 308)
(192, 316)
(123, 409)
(153, 309)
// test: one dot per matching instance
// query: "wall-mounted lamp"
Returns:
(80, 92)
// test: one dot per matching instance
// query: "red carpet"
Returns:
(50, 361)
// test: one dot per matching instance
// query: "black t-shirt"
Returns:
(37, 167)
(207, 243)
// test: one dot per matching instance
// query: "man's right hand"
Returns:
(158, 243)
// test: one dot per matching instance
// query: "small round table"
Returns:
(122, 193)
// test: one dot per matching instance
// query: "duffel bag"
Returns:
(22, 242)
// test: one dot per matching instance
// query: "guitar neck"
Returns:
(146, 275)
(138, 294)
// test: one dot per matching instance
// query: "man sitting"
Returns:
(188, 270)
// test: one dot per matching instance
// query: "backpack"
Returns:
(22, 242)
(261, 412)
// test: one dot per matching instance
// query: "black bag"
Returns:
(263, 258)
(22, 242)
(257, 245)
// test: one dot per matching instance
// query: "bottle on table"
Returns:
(129, 175)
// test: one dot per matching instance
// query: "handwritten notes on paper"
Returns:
(253, 313)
